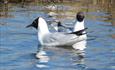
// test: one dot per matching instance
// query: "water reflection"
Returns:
(4, 11)
(52, 55)
(42, 55)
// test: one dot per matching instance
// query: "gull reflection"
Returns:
(43, 58)
(47, 55)
(78, 59)
(78, 56)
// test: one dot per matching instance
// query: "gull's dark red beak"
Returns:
(34, 23)
(29, 25)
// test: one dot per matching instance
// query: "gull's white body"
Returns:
(47, 38)
(82, 44)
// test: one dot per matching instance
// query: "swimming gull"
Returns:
(76, 39)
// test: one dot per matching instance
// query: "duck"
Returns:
(76, 39)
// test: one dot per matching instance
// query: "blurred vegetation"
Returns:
(106, 6)
(55, 1)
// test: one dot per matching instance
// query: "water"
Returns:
(18, 44)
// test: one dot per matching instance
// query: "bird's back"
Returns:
(60, 39)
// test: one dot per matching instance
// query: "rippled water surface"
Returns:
(18, 44)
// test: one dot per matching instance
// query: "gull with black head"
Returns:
(74, 39)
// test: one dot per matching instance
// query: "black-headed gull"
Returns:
(76, 39)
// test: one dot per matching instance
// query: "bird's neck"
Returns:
(79, 26)
(42, 29)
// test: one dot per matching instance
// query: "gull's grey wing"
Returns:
(60, 39)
